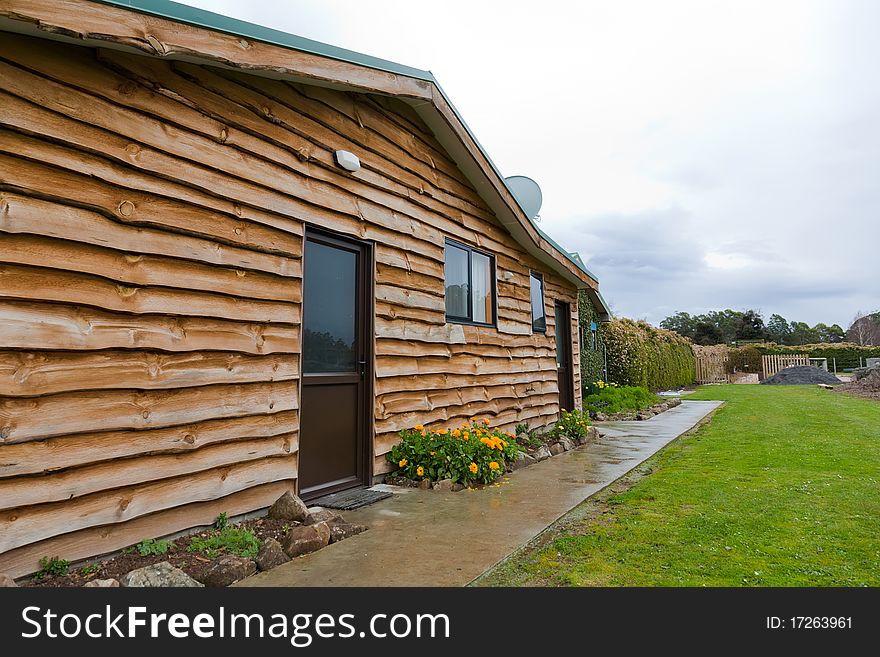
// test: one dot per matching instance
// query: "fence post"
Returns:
(834, 362)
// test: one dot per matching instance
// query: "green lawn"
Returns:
(782, 488)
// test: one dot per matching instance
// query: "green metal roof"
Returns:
(217, 22)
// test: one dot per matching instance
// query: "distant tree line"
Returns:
(729, 326)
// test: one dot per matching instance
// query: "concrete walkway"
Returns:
(429, 538)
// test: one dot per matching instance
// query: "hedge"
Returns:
(592, 355)
(847, 354)
(642, 355)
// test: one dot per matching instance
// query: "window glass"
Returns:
(329, 303)
(481, 275)
(539, 318)
(456, 282)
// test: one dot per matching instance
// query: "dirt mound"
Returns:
(867, 385)
(801, 375)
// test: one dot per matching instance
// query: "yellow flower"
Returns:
(419, 427)
(433, 453)
(492, 465)
(443, 432)
(473, 419)
(466, 435)
(456, 433)
(420, 471)
(485, 420)
(401, 463)
(473, 467)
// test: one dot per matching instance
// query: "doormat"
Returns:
(351, 499)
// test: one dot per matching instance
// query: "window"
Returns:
(470, 285)
(539, 317)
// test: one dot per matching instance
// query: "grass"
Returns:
(780, 489)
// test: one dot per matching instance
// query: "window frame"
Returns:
(540, 277)
(469, 321)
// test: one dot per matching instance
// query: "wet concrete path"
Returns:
(429, 538)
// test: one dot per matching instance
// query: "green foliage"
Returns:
(470, 453)
(846, 354)
(745, 359)
(229, 540)
(572, 424)
(592, 342)
(642, 355)
(52, 567)
(221, 521)
(521, 428)
(151, 547)
(614, 399)
(90, 569)
(728, 326)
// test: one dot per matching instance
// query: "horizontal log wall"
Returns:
(151, 224)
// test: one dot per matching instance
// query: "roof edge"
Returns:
(197, 17)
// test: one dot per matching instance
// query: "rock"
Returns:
(443, 484)
(341, 530)
(601, 417)
(288, 507)
(320, 514)
(226, 570)
(592, 434)
(644, 415)
(305, 539)
(7, 582)
(161, 574)
(271, 554)
(542, 453)
(102, 584)
(458, 487)
(663, 407)
(523, 437)
(556, 449)
(675, 401)
(566, 444)
(425, 484)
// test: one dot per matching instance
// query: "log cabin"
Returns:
(235, 262)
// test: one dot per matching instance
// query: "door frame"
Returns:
(366, 309)
(568, 351)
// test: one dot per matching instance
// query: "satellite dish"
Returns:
(527, 194)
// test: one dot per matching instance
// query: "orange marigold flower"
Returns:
(485, 420)
(456, 433)
(466, 435)
(419, 427)
(492, 465)
(443, 432)
(420, 471)
(401, 463)
(473, 419)
(473, 467)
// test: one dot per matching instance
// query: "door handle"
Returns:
(363, 367)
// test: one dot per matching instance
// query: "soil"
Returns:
(868, 385)
(801, 375)
(193, 564)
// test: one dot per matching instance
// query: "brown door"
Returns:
(336, 360)
(564, 373)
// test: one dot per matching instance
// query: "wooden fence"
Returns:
(774, 362)
(711, 368)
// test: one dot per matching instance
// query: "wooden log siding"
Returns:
(152, 216)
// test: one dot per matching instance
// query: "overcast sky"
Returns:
(699, 155)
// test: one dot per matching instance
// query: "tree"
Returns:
(778, 329)
(707, 333)
(801, 333)
(681, 322)
(864, 329)
(750, 326)
(831, 333)
(727, 322)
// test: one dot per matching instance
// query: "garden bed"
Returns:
(216, 556)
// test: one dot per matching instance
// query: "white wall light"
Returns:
(348, 161)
